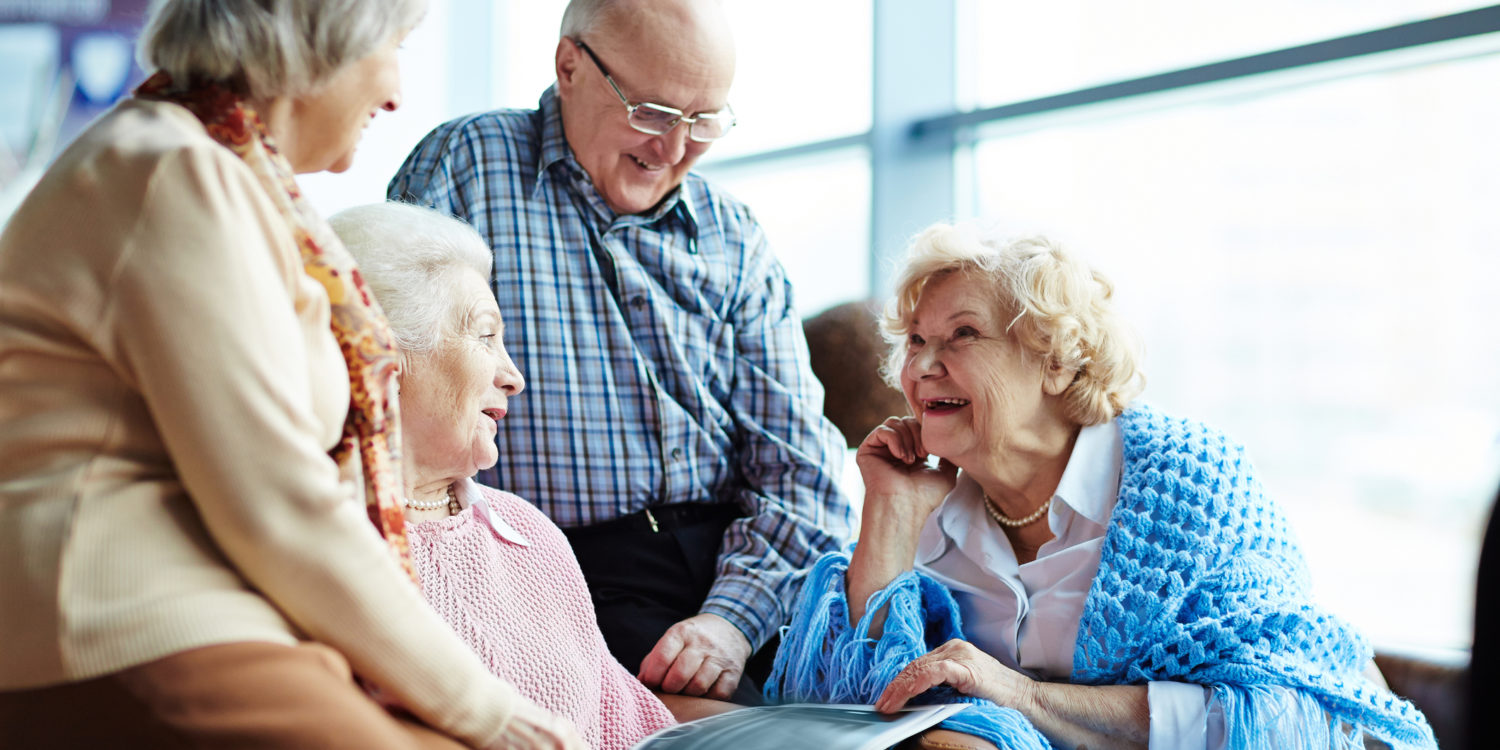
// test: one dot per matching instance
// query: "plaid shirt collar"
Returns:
(556, 151)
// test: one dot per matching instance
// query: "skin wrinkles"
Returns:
(959, 346)
(983, 403)
(452, 395)
(320, 130)
(678, 54)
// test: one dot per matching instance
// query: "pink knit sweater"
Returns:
(525, 609)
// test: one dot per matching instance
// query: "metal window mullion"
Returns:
(1451, 27)
(915, 77)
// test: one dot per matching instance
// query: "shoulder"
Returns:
(524, 516)
(456, 162)
(1178, 444)
(1182, 470)
(141, 170)
(717, 208)
(516, 130)
(1188, 474)
(509, 504)
(138, 142)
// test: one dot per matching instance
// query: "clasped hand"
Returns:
(532, 727)
(702, 655)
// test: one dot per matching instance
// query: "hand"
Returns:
(532, 727)
(702, 655)
(963, 667)
(893, 463)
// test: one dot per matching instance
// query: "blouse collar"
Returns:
(1089, 486)
(469, 494)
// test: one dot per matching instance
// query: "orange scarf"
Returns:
(373, 426)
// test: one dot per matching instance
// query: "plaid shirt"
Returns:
(663, 357)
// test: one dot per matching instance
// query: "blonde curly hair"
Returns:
(1059, 309)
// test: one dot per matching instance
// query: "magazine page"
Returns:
(800, 725)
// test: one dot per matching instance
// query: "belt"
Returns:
(658, 518)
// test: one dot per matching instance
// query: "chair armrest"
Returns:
(945, 739)
(1439, 689)
(686, 708)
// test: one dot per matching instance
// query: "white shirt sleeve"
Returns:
(1185, 716)
(1179, 717)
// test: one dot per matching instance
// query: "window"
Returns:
(803, 73)
(1025, 50)
(798, 83)
(816, 213)
(1310, 268)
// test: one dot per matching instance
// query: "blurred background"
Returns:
(1289, 195)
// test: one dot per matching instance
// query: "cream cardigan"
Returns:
(168, 390)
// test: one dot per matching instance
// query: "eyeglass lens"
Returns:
(649, 119)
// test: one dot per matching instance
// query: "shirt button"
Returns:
(676, 454)
(639, 301)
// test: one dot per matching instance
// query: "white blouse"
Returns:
(1026, 616)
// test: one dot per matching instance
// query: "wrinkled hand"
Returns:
(893, 463)
(532, 727)
(962, 666)
(702, 655)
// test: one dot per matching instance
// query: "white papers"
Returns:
(800, 726)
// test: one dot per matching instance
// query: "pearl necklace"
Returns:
(1015, 523)
(447, 502)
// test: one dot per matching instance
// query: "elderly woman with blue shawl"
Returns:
(1088, 572)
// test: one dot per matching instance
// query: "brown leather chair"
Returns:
(1436, 688)
(946, 739)
(1484, 670)
(847, 351)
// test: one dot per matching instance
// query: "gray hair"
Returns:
(406, 254)
(1059, 309)
(268, 48)
(582, 16)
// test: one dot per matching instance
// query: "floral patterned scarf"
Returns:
(372, 429)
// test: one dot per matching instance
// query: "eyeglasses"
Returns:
(659, 119)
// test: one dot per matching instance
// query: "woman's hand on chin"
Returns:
(893, 463)
(963, 667)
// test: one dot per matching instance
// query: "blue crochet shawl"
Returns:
(1200, 581)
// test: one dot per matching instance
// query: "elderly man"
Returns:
(675, 429)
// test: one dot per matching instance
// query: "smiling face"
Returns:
(680, 57)
(974, 389)
(329, 121)
(452, 396)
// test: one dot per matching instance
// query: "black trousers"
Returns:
(647, 573)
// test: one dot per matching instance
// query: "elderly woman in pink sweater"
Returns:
(493, 566)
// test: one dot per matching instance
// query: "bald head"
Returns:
(696, 32)
(677, 54)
